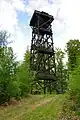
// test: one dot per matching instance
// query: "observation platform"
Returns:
(41, 19)
(45, 76)
(42, 49)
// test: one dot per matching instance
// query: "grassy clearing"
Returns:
(38, 107)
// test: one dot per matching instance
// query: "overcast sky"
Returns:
(15, 16)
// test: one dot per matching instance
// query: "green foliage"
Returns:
(14, 89)
(8, 67)
(74, 88)
(23, 78)
(7, 73)
(24, 75)
(3, 38)
(74, 82)
(14, 78)
(61, 71)
(73, 51)
(68, 110)
(71, 106)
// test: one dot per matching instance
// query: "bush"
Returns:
(7, 74)
(69, 109)
(14, 89)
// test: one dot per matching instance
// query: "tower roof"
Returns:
(44, 19)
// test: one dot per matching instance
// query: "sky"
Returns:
(15, 17)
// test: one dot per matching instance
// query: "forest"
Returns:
(16, 79)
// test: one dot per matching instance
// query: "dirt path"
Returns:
(44, 102)
(28, 108)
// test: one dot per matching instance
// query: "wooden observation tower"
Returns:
(42, 57)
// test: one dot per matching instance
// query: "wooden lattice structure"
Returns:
(42, 57)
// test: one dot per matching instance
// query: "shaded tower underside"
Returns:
(42, 57)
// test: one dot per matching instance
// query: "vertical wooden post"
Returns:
(44, 86)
